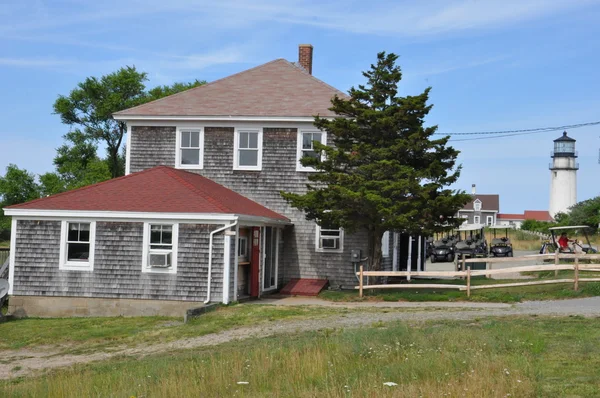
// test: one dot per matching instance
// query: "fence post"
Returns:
(576, 287)
(469, 281)
(556, 261)
(360, 283)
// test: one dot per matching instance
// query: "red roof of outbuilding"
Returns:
(508, 216)
(538, 215)
(161, 189)
(277, 88)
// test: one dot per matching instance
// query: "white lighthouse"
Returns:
(563, 175)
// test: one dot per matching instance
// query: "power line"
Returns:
(512, 133)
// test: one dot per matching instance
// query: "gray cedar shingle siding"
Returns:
(299, 258)
(154, 146)
(117, 265)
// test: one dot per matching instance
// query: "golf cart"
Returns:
(501, 246)
(574, 245)
(442, 250)
(472, 241)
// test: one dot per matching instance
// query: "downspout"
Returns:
(210, 247)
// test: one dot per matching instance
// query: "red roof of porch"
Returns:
(160, 189)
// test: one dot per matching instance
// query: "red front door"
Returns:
(254, 262)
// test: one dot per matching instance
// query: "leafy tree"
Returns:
(77, 165)
(164, 91)
(383, 170)
(90, 107)
(586, 212)
(16, 186)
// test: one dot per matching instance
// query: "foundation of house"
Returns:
(59, 307)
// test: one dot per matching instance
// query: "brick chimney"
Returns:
(305, 55)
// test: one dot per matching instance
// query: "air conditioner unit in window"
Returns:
(160, 260)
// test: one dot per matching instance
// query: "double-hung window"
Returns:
(329, 239)
(160, 248)
(190, 148)
(247, 149)
(243, 249)
(77, 245)
(477, 205)
(306, 140)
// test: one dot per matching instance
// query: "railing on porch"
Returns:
(466, 273)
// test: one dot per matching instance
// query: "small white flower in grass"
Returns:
(390, 384)
(243, 382)
(518, 381)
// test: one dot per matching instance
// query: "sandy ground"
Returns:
(27, 362)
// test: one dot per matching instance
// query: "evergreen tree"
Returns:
(382, 169)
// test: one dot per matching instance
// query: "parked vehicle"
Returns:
(501, 246)
(442, 250)
(472, 241)
(576, 244)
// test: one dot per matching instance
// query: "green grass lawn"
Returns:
(76, 335)
(516, 357)
(499, 295)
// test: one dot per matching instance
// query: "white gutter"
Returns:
(210, 247)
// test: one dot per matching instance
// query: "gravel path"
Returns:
(26, 362)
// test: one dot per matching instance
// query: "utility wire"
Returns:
(512, 133)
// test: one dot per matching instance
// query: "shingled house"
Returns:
(209, 224)
(482, 209)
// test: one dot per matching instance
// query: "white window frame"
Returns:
(385, 244)
(64, 263)
(320, 249)
(476, 220)
(477, 205)
(178, 148)
(489, 220)
(236, 148)
(146, 249)
(243, 257)
(299, 149)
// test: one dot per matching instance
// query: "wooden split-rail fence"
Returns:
(466, 273)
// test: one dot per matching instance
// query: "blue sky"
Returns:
(493, 65)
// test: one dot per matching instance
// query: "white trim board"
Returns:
(129, 118)
(12, 255)
(208, 218)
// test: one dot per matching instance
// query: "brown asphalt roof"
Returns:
(488, 202)
(277, 88)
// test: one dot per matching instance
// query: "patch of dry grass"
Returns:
(518, 357)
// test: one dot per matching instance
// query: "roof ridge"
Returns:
(199, 87)
(304, 71)
(112, 180)
(174, 173)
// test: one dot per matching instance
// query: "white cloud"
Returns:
(33, 62)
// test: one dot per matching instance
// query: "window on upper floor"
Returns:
(247, 149)
(160, 248)
(77, 246)
(477, 205)
(329, 239)
(476, 220)
(306, 139)
(190, 148)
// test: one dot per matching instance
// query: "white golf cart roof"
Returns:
(470, 227)
(501, 227)
(569, 227)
